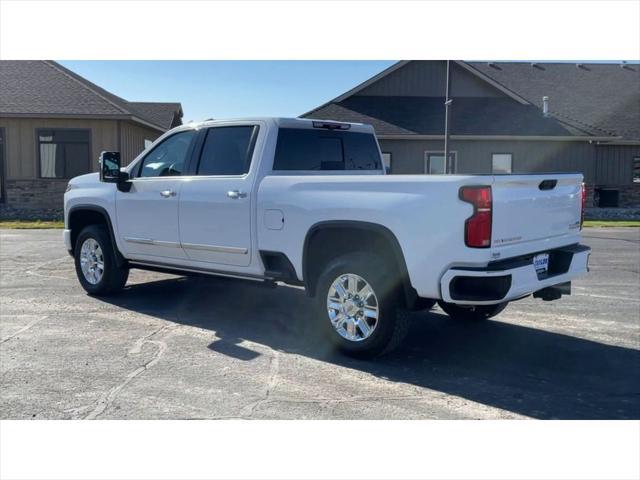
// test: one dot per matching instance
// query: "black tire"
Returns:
(114, 276)
(472, 313)
(392, 322)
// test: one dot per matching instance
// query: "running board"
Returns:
(173, 269)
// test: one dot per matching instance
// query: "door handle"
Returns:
(167, 193)
(235, 194)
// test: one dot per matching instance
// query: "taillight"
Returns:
(477, 228)
(584, 204)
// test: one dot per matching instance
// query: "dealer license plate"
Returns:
(541, 263)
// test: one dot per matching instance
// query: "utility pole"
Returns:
(447, 117)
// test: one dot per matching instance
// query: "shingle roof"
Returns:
(168, 113)
(601, 95)
(47, 88)
(425, 116)
(589, 100)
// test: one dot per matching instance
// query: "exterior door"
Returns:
(215, 205)
(148, 214)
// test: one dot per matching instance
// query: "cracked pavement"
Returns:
(169, 347)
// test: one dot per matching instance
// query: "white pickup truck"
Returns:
(307, 203)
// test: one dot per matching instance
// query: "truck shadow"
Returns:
(523, 370)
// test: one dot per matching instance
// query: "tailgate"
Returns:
(530, 208)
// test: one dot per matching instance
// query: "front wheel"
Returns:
(472, 312)
(96, 264)
(358, 306)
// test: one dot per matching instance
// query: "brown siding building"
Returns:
(53, 126)
(589, 120)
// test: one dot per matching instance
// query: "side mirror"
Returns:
(110, 167)
(387, 169)
(110, 171)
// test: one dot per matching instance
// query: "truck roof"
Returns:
(290, 122)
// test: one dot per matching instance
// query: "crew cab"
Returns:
(308, 203)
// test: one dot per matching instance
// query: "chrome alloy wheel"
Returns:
(352, 306)
(92, 261)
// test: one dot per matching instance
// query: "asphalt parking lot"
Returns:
(176, 348)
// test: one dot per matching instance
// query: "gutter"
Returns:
(503, 138)
(132, 118)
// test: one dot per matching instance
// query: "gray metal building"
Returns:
(507, 117)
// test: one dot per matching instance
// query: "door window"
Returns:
(168, 158)
(227, 150)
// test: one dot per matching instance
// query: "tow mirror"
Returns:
(110, 167)
(110, 171)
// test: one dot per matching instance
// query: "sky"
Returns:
(228, 89)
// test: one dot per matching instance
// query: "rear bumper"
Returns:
(512, 278)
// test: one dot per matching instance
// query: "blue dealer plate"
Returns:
(541, 262)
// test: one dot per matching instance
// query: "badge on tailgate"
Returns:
(541, 263)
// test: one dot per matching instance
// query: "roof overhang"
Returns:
(73, 116)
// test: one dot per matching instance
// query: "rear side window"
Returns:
(307, 149)
(227, 150)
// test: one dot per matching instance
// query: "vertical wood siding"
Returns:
(428, 79)
(474, 156)
(614, 164)
(132, 137)
(21, 156)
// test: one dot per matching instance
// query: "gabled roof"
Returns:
(602, 96)
(46, 88)
(425, 116)
(589, 101)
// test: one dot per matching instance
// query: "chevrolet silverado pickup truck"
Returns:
(308, 203)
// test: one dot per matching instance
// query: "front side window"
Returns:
(636, 169)
(64, 153)
(227, 150)
(501, 163)
(436, 165)
(315, 149)
(168, 158)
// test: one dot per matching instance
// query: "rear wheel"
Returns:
(358, 307)
(95, 261)
(472, 312)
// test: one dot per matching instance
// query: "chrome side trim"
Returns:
(161, 243)
(150, 241)
(215, 248)
(144, 241)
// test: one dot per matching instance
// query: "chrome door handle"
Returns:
(167, 193)
(235, 194)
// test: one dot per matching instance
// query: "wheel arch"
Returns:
(81, 215)
(339, 227)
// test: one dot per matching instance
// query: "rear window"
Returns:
(306, 149)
